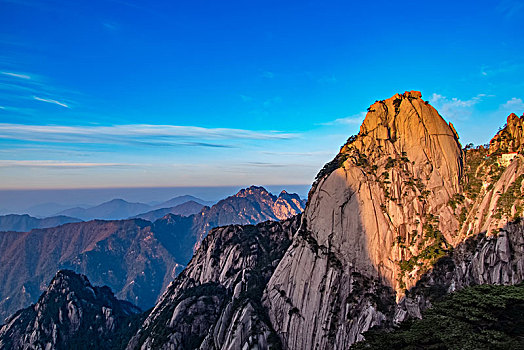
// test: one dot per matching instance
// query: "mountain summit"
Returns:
(380, 215)
(401, 217)
(70, 314)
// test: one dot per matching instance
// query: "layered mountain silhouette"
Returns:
(113, 210)
(24, 223)
(184, 209)
(118, 209)
(136, 258)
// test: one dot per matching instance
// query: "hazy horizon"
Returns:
(132, 94)
(18, 201)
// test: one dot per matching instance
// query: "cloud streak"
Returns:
(19, 87)
(48, 100)
(138, 134)
(57, 164)
(355, 119)
(515, 105)
(17, 75)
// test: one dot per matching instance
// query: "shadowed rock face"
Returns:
(215, 302)
(71, 313)
(481, 259)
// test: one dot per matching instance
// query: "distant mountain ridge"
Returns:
(24, 223)
(135, 257)
(173, 202)
(248, 206)
(185, 209)
(115, 209)
(119, 209)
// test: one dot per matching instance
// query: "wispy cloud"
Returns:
(57, 164)
(17, 75)
(168, 135)
(112, 26)
(327, 79)
(354, 119)
(502, 68)
(272, 101)
(454, 108)
(515, 105)
(19, 87)
(300, 154)
(266, 165)
(48, 100)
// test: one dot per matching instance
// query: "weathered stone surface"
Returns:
(403, 166)
(482, 259)
(510, 138)
(215, 302)
(387, 208)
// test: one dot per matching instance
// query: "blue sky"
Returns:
(205, 93)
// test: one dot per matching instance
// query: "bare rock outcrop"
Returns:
(481, 259)
(396, 200)
(215, 302)
(366, 215)
(70, 314)
(511, 137)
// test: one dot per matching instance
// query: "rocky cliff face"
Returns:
(374, 207)
(71, 314)
(510, 138)
(480, 259)
(394, 201)
(249, 206)
(215, 302)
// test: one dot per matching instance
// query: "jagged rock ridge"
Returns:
(215, 302)
(249, 206)
(71, 314)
